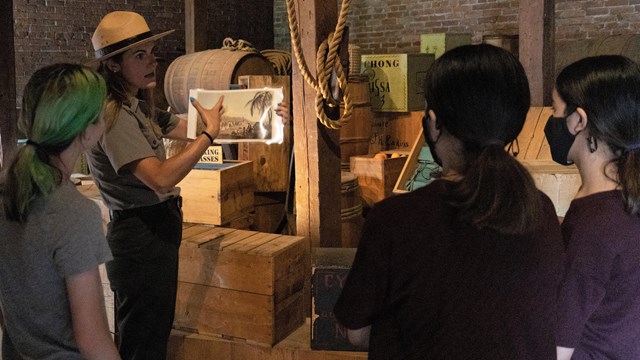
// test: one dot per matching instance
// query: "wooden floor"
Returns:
(188, 346)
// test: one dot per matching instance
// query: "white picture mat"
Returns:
(245, 119)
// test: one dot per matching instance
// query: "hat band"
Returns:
(119, 45)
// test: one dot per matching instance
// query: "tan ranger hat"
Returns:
(118, 32)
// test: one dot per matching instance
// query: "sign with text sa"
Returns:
(213, 155)
(396, 80)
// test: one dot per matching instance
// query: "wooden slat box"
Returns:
(218, 196)
(239, 284)
(187, 346)
(377, 177)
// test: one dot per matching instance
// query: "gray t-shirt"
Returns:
(63, 236)
(131, 138)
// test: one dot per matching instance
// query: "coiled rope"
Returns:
(233, 45)
(327, 61)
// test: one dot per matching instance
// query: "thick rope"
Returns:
(233, 45)
(327, 61)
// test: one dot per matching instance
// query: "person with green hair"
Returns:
(52, 240)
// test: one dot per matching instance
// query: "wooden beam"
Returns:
(316, 148)
(195, 12)
(537, 48)
(8, 79)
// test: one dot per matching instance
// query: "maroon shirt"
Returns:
(434, 288)
(599, 304)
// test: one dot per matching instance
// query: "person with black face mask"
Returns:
(559, 138)
(596, 105)
(468, 266)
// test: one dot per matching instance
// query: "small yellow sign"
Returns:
(213, 155)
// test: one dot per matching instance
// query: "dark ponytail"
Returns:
(629, 179)
(497, 193)
(480, 95)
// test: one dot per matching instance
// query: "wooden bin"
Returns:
(218, 197)
(377, 177)
(241, 285)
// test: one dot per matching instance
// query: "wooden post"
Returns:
(537, 49)
(8, 79)
(195, 12)
(316, 148)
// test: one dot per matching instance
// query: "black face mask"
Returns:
(430, 143)
(559, 138)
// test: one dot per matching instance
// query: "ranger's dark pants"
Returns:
(144, 276)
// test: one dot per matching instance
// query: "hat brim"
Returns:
(95, 62)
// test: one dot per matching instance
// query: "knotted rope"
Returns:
(327, 61)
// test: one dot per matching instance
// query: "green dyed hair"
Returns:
(59, 102)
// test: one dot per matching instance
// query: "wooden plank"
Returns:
(533, 152)
(234, 237)
(191, 230)
(8, 80)
(545, 150)
(195, 13)
(251, 242)
(204, 238)
(410, 165)
(316, 147)
(537, 48)
(270, 162)
(528, 129)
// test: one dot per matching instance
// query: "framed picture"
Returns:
(249, 115)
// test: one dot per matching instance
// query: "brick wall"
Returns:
(389, 26)
(50, 31)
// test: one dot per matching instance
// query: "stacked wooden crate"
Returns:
(241, 285)
(221, 196)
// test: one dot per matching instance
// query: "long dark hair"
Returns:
(607, 87)
(480, 95)
(118, 95)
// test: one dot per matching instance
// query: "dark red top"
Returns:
(433, 288)
(599, 308)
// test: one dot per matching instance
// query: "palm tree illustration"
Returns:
(261, 103)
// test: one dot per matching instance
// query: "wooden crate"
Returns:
(377, 177)
(188, 346)
(330, 268)
(242, 285)
(218, 197)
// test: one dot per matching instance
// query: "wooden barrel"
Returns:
(355, 137)
(211, 69)
(351, 210)
(574, 50)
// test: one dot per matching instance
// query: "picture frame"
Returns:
(249, 115)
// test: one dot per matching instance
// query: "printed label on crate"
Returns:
(211, 159)
(326, 332)
(387, 81)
